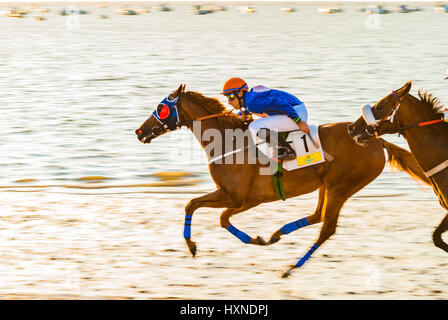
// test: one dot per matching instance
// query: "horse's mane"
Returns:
(214, 106)
(433, 103)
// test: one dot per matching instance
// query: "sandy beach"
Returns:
(100, 246)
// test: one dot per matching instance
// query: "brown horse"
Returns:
(241, 186)
(419, 121)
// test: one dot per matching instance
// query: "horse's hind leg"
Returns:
(225, 223)
(307, 221)
(331, 208)
(437, 235)
(216, 199)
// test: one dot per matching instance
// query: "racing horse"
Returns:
(419, 121)
(240, 186)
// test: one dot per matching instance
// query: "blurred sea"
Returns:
(84, 213)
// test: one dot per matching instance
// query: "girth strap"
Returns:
(277, 179)
(436, 169)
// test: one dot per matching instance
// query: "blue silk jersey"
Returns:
(272, 102)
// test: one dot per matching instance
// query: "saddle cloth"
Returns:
(307, 147)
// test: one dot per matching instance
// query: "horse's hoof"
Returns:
(192, 247)
(273, 240)
(260, 241)
(193, 251)
(288, 273)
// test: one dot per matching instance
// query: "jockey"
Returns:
(279, 111)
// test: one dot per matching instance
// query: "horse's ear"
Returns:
(405, 89)
(183, 88)
(178, 91)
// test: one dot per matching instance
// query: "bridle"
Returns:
(373, 124)
(172, 118)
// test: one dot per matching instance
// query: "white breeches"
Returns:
(280, 123)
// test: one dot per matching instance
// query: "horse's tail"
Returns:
(403, 160)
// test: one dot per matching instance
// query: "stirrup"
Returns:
(286, 154)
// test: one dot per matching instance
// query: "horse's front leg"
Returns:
(217, 199)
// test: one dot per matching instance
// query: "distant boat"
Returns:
(441, 8)
(246, 9)
(143, 10)
(288, 9)
(200, 10)
(21, 11)
(43, 10)
(13, 13)
(39, 18)
(374, 9)
(126, 11)
(165, 8)
(330, 10)
(405, 9)
(66, 12)
(218, 8)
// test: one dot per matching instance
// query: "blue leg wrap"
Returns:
(293, 226)
(307, 256)
(239, 234)
(187, 226)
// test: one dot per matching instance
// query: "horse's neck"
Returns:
(426, 142)
(199, 128)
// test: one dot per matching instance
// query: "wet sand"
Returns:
(128, 244)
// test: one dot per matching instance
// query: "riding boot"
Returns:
(284, 149)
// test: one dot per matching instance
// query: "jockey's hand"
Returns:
(304, 126)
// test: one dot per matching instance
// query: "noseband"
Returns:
(372, 123)
(173, 120)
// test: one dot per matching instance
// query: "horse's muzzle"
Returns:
(357, 135)
(141, 137)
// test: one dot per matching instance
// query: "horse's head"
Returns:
(374, 120)
(165, 118)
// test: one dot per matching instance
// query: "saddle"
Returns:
(308, 151)
(307, 147)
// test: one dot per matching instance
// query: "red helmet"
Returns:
(234, 85)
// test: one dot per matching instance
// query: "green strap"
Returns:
(278, 182)
(277, 177)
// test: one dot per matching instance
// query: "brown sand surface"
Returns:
(130, 246)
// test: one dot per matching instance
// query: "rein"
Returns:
(420, 124)
(373, 127)
(216, 115)
(210, 116)
(171, 120)
(415, 125)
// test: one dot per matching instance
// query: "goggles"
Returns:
(231, 95)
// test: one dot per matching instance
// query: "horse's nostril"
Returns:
(351, 128)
